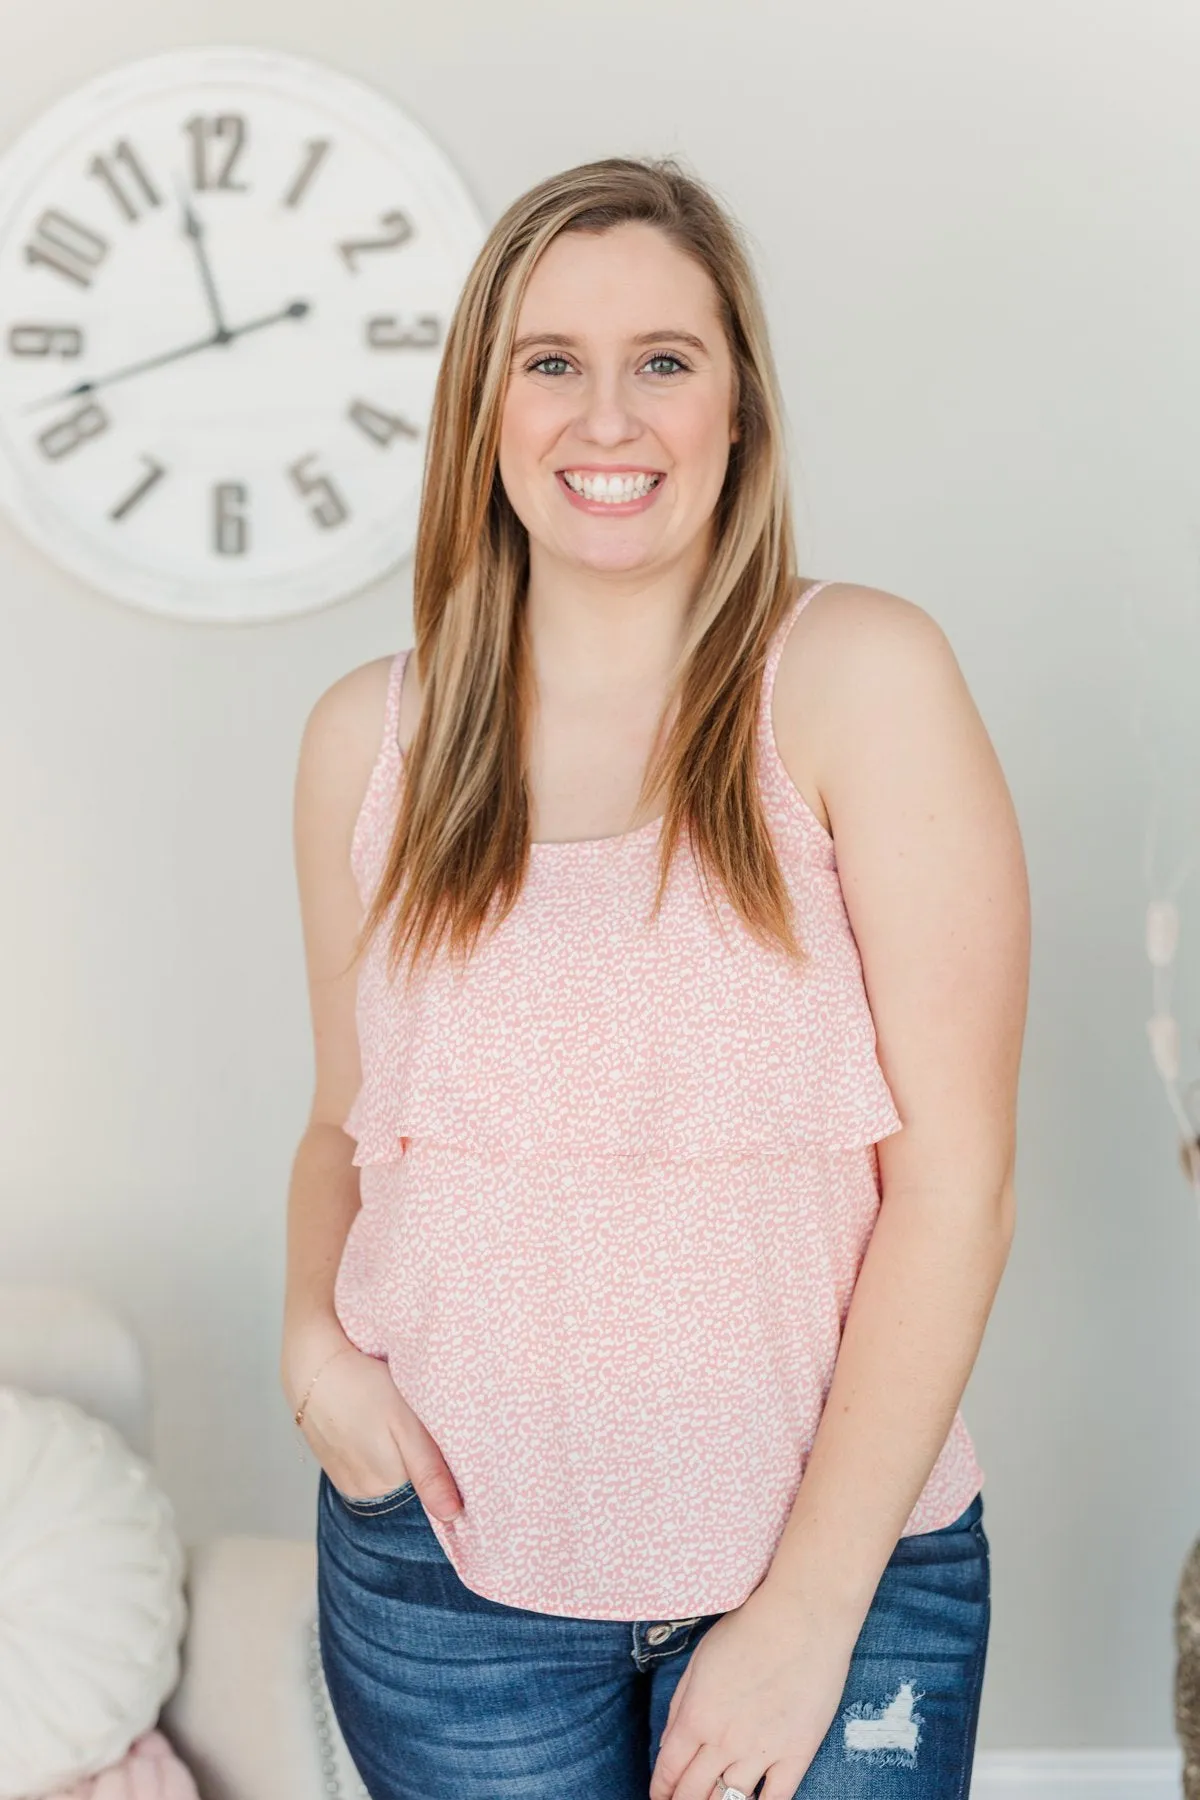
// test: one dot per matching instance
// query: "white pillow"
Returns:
(338, 1772)
(92, 1606)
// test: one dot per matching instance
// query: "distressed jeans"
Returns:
(442, 1694)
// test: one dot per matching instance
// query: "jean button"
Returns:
(657, 1634)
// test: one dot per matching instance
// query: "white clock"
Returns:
(225, 277)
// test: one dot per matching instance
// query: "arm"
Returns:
(337, 752)
(934, 879)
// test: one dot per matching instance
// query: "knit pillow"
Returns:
(340, 1779)
(91, 1595)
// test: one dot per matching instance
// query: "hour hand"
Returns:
(194, 230)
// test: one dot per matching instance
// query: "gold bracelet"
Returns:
(299, 1413)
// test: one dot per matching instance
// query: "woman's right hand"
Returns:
(368, 1439)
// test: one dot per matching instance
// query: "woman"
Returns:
(643, 1191)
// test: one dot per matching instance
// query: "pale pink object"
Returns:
(149, 1770)
(616, 1187)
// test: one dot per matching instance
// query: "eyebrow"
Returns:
(643, 337)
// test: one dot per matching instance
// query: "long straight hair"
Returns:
(460, 845)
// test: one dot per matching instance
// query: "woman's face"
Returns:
(620, 367)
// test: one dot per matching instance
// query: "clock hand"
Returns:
(195, 230)
(297, 309)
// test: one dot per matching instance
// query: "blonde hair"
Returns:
(460, 845)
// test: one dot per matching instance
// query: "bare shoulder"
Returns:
(846, 632)
(350, 711)
(340, 743)
(856, 657)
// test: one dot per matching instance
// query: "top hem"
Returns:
(686, 1607)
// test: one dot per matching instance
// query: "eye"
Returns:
(658, 356)
(668, 356)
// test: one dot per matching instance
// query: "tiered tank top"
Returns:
(617, 1182)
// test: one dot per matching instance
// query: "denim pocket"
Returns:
(375, 1503)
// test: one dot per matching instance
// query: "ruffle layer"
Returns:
(576, 1032)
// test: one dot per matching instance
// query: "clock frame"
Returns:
(225, 278)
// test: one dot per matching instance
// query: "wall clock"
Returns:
(225, 277)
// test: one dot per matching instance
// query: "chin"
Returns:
(629, 565)
(614, 558)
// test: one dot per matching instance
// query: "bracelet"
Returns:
(299, 1413)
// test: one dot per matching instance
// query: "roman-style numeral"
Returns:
(61, 243)
(154, 474)
(398, 229)
(379, 425)
(217, 144)
(387, 332)
(126, 180)
(317, 149)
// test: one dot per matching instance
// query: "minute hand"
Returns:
(296, 310)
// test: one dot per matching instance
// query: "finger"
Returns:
(441, 1497)
(782, 1781)
(434, 1483)
(745, 1775)
(427, 1468)
(673, 1759)
(698, 1780)
(677, 1752)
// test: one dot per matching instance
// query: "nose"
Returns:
(609, 412)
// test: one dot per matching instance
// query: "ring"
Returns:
(730, 1793)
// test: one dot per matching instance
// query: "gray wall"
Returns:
(978, 233)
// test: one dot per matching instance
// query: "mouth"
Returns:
(621, 490)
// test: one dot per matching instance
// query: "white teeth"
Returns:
(613, 488)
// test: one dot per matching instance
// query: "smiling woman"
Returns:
(633, 1385)
(578, 404)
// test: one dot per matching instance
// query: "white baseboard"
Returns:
(1077, 1775)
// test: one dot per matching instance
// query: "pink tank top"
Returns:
(617, 1182)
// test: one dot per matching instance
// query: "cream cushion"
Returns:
(92, 1604)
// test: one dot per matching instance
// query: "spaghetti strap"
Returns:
(802, 600)
(774, 773)
(779, 639)
(391, 715)
(381, 784)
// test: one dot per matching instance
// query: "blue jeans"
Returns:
(442, 1694)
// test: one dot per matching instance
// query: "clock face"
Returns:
(225, 279)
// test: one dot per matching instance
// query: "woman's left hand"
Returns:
(758, 1695)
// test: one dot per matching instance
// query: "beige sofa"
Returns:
(250, 1715)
